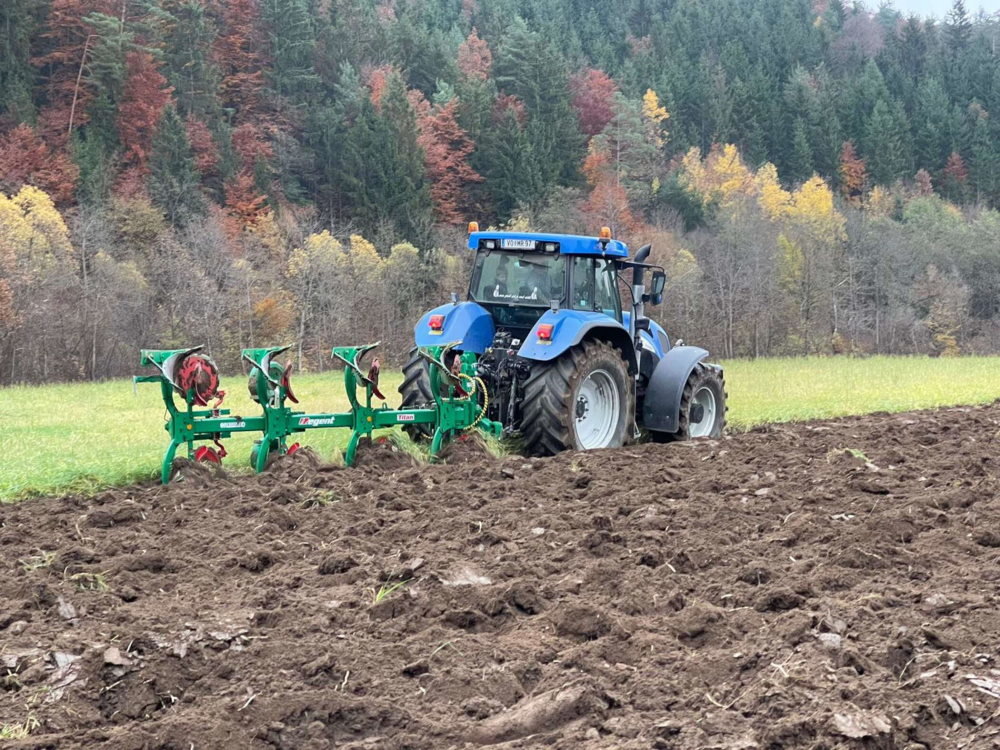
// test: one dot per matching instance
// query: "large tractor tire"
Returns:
(703, 407)
(583, 400)
(416, 392)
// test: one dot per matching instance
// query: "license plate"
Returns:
(517, 244)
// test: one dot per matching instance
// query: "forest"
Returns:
(817, 177)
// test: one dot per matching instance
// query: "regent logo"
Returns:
(231, 425)
(315, 422)
(405, 417)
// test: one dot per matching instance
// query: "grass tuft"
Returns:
(19, 730)
(386, 590)
(36, 562)
(89, 581)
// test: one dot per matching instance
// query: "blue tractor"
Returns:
(563, 365)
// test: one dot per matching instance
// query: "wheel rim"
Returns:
(598, 405)
(703, 405)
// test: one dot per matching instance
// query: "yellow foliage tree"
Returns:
(812, 208)
(33, 235)
(721, 176)
(773, 198)
(656, 115)
(652, 109)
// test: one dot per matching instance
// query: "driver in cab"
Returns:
(536, 283)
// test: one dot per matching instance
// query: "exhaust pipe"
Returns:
(638, 290)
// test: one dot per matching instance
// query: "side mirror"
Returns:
(658, 282)
(656, 285)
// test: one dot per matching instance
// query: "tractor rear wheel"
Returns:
(416, 392)
(703, 407)
(583, 400)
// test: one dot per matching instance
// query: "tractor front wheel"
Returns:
(703, 407)
(583, 400)
(416, 392)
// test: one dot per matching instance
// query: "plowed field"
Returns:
(822, 585)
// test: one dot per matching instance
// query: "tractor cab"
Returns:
(518, 277)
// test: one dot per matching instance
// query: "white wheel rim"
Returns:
(596, 409)
(703, 403)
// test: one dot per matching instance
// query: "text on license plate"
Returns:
(517, 244)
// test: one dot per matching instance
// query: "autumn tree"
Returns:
(141, 109)
(446, 149)
(239, 53)
(206, 151)
(243, 201)
(593, 96)
(955, 178)
(474, 57)
(27, 160)
(853, 172)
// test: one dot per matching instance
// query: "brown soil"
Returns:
(772, 590)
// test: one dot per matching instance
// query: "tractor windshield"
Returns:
(522, 279)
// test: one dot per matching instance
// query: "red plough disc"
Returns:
(199, 375)
(205, 454)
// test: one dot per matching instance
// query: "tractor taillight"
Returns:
(545, 332)
(436, 322)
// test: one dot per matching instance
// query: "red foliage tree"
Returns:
(250, 144)
(27, 160)
(853, 172)
(239, 53)
(474, 57)
(206, 153)
(243, 202)
(446, 152)
(376, 79)
(608, 206)
(145, 96)
(593, 93)
(955, 177)
(955, 170)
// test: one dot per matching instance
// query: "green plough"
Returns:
(189, 384)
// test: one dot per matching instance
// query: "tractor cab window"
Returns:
(523, 279)
(595, 286)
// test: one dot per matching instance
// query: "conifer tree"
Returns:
(173, 180)
(885, 145)
(19, 21)
(292, 41)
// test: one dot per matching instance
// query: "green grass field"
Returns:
(83, 437)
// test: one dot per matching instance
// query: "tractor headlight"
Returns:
(551, 247)
(490, 244)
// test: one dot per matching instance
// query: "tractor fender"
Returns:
(569, 328)
(662, 404)
(466, 322)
